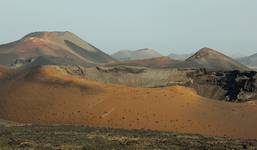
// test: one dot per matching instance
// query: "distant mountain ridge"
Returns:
(179, 56)
(146, 53)
(207, 58)
(65, 48)
(250, 61)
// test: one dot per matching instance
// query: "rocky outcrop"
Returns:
(124, 69)
(230, 86)
(74, 70)
(22, 61)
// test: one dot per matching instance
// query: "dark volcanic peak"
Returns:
(211, 60)
(206, 52)
(61, 45)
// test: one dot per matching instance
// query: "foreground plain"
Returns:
(62, 137)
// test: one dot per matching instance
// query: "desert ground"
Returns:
(66, 137)
(48, 95)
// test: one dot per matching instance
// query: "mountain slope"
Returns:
(64, 45)
(146, 53)
(211, 60)
(250, 61)
(48, 95)
(157, 62)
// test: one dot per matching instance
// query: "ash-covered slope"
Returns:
(157, 62)
(146, 53)
(211, 60)
(62, 45)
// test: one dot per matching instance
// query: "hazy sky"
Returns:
(170, 26)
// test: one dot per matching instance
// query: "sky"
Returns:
(169, 26)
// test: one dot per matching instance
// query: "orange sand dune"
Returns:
(47, 95)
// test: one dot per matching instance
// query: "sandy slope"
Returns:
(46, 95)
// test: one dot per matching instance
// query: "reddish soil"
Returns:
(48, 95)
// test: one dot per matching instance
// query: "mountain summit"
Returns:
(145, 53)
(211, 60)
(65, 47)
